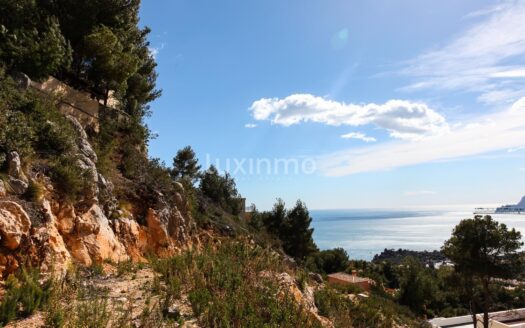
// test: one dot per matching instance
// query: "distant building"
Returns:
(501, 319)
(341, 278)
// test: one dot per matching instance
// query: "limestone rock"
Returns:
(14, 166)
(157, 228)
(82, 140)
(3, 192)
(132, 236)
(14, 224)
(17, 186)
(315, 277)
(102, 244)
(65, 219)
(56, 256)
(86, 157)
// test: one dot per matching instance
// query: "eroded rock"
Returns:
(14, 224)
(14, 166)
(17, 186)
(3, 191)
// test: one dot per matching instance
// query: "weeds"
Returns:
(226, 288)
(23, 296)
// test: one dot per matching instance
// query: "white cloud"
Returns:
(485, 58)
(513, 150)
(420, 193)
(522, 168)
(403, 119)
(489, 133)
(154, 51)
(359, 136)
(510, 73)
(250, 125)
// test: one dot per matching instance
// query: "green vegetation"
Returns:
(372, 311)
(31, 40)
(328, 261)
(185, 166)
(229, 287)
(220, 189)
(483, 249)
(23, 295)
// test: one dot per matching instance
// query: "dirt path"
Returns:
(136, 296)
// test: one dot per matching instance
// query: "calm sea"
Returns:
(364, 233)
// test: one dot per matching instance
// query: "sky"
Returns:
(345, 104)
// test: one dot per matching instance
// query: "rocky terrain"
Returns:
(52, 233)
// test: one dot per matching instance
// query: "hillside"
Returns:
(95, 233)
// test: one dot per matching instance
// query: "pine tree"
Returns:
(185, 165)
(296, 234)
(483, 249)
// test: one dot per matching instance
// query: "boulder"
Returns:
(17, 186)
(14, 166)
(14, 224)
(315, 277)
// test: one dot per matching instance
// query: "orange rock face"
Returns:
(14, 224)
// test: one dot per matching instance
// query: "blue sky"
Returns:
(395, 102)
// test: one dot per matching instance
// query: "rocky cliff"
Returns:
(51, 232)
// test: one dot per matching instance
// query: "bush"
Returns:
(227, 288)
(221, 189)
(34, 192)
(69, 178)
(23, 296)
(328, 261)
(373, 311)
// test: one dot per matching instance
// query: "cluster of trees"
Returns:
(483, 252)
(219, 188)
(95, 46)
(290, 226)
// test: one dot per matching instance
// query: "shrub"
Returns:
(221, 189)
(70, 179)
(328, 261)
(34, 192)
(23, 295)
(227, 288)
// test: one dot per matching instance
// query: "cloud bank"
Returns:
(491, 132)
(488, 58)
(401, 118)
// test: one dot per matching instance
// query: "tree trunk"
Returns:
(473, 312)
(486, 302)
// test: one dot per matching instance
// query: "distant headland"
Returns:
(518, 208)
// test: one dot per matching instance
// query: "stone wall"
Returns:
(78, 104)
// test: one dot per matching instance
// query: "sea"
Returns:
(366, 232)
